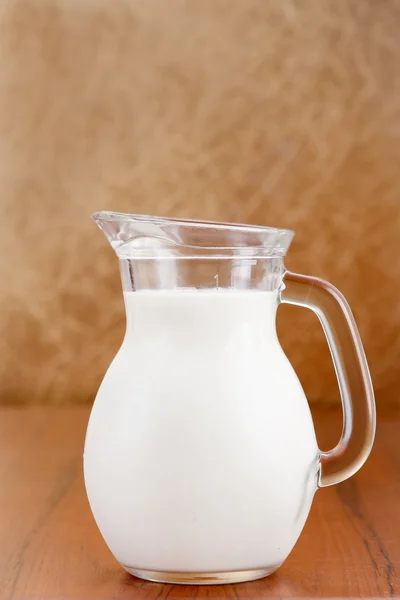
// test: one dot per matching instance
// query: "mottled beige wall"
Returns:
(277, 112)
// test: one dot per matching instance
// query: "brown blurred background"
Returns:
(277, 112)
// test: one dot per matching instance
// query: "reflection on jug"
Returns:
(201, 460)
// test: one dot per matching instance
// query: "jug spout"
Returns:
(141, 236)
(128, 234)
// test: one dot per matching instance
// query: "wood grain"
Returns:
(50, 547)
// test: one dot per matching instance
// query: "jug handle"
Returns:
(356, 391)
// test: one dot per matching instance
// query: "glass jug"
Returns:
(201, 460)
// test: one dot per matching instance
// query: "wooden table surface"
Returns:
(50, 547)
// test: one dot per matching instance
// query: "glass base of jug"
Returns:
(192, 578)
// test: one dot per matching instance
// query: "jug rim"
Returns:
(107, 215)
(126, 232)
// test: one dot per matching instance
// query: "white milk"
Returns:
(200, 453)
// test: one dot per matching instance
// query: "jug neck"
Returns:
(228, 274)
(159, 253)
(207, 317)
